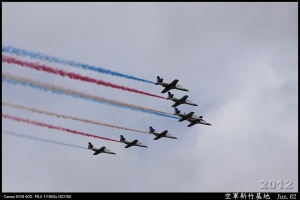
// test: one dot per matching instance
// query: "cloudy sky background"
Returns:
(238, 60)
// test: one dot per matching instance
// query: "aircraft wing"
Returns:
(133, 142)
(156, 138)
(173, 83)
(176, 104)
(96, 152)
(163, 133)
(99, 151)
(184, 98)
(192, 124)
(190, 114)
(182, 119)
(165, 90)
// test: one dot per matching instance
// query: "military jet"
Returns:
(169, 86)
(177, 101)
(160, 135)
(101, 150)
(197, 121)
(185, 116)
(191, 118)
(130, 144)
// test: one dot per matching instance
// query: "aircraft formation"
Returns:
(37, 84)
(193, 119)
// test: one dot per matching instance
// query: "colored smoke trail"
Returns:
(40, 139)
(71, 75)
(54, 127)
(40, 56)
(69, 92)
(68, 117)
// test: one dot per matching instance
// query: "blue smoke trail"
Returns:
(23, 52)
(44, 140)
(82, 97)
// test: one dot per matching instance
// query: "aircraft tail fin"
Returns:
(159, 80)
(122, 138)
(177, 111)
(90, 145)
(170, 95)
(151, 130)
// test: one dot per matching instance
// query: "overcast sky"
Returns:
(239, 62)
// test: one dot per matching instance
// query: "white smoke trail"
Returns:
(67, 116)
(77, 94)
(44, 140)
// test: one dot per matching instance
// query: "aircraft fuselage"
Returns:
(94, 149)
(106, 151)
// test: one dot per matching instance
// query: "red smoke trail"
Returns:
(71, 75)
(54, 127)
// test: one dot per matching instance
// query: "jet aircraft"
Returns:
(100, 150)
(169, 86)
(160, 135)
(185, 116)
(197, 121)
(191, 118)
(130, 144)
(178, 101)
